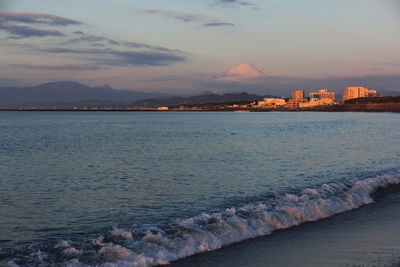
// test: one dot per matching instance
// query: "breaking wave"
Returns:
(210, 231)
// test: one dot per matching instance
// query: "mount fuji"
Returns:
(241, 72)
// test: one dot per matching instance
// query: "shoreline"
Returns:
(163, 111)
(356, 107)
(351, 238)
(242, 110)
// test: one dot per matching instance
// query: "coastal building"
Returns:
(298, 95)
(322, 94)
(271, 103)
(351, 92)
(314, 102)
(275, 101)
(297, 98)
(321, 98)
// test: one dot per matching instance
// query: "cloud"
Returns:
(113, 57)
(90, 38)
(234, 2)
(187, 17)
(97, 45)
(125, 58)
(65, 67)
(151, 47)
(19, 25)
(100, 41)
(92, 51)
(19, 32)
(36, 18)
(218, 24)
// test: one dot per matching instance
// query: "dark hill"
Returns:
(68, 92)
(199, 99)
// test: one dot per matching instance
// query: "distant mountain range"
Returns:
(49, 94)
(72, 94)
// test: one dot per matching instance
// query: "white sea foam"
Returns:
(210, 231)
(62, 245)
(65, 248)
(116, 255)
(71, 251)
(121, 234)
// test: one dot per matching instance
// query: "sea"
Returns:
(199, 189)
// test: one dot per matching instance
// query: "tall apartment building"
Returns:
(321, 98)
(297, 98)
(323, 94)
(298, 94)
(351, 92)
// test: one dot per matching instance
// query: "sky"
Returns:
(180, 46)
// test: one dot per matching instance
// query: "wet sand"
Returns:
(368, 236)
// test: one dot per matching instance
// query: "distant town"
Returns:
(321, 100)
(353, 98)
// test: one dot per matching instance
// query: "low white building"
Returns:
(271, 102)
(314, 102)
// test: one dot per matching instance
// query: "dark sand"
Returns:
(368, 236)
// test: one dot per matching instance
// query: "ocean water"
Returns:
(148, 188)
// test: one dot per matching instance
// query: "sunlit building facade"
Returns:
(351, 92)
(298, 95)
(314, 102)
(297, 98)
(323, 93)
(271, 102)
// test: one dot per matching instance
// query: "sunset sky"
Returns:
(180, 46)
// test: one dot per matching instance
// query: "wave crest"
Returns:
(210, 231)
